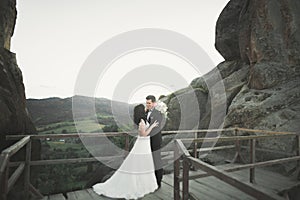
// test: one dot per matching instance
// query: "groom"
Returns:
(155, 136)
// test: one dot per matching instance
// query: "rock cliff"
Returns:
(267, 34)
(260, 42)
(14, 118)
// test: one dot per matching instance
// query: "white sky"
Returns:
(53, 38)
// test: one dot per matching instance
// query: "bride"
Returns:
(135, 177)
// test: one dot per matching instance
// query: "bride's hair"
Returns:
(139, 113)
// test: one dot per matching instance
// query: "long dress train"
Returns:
(135, 177)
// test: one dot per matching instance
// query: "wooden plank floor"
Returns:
(203, 188)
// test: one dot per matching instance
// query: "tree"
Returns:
(110, 128)
(64, 131)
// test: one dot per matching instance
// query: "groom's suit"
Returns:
(155, 141)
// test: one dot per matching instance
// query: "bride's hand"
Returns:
(155, 124)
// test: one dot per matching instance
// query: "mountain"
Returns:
(55, 110)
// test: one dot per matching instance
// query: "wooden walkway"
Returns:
(203, 188)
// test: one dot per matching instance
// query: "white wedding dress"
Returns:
(135, 177)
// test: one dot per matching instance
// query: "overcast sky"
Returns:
(53, 38)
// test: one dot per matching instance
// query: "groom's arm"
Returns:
(158, 117)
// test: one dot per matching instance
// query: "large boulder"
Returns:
(269, 42)
(227, 31)
(259, 30)
(260, 42)
(8, 13)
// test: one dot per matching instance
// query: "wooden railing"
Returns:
(6, 183)
(23, 167)
(182, 156)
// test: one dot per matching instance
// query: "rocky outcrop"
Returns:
(8, 13)
(256, 31)
(14, 118)
(269, 42)
(260, 42)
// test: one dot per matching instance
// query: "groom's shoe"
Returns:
(159, 185)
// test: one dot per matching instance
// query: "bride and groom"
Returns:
(141, 172)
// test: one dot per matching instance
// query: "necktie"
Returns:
(148, 115)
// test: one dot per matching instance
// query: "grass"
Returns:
(67, 177)
(69, 127)
(64, 146)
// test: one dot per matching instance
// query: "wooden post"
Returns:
(237, 156)
(298, 153)
(196, 146)
(4, 183)
(176, 172)
(185, 179)
(27, 170)
(127, 142)
(252, 160)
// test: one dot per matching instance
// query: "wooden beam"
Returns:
(181, 148)
(261, 164)
(196, 176)
(14, 177)
(176, 190)
(185, 177)
(195, 149)
(126, 142)
(17, 146)
(237, 157)
(108, 134)
(70, 135)
(298, 154)
(4, 182)
(298, 146)
(2, 187)
(245, 166)
(35, 192)
(245, 187)
(264, 131)
(252, 160)
(4, 160)
(73, 160)
(234, 138)
(216, 148)
(27, 170)
(198, 131)
(167, 153)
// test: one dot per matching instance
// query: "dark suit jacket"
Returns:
(155, 134)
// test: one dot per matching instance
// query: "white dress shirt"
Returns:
(148, 114)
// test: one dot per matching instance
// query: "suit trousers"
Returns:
(156, 153)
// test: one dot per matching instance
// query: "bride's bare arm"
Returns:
(142, 127)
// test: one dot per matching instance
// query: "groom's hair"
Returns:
(151, 97)
(139, 113)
